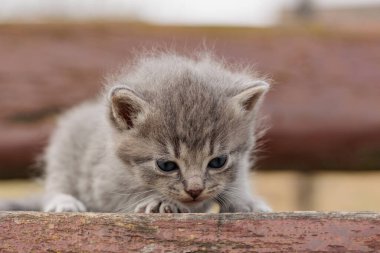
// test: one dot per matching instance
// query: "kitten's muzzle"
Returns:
(194, 186)
(194, 193)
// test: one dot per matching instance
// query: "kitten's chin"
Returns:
(192, 202)
(195, 204)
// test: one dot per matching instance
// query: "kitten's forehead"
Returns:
(189, 104)
(191, 117)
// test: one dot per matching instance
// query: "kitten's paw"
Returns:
(160, 206)
(259, 205)
(64, 203)
(5, 205)
(255, 205)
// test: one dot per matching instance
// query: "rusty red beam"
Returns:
(272, 232)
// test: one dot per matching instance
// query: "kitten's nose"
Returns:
(194, 193)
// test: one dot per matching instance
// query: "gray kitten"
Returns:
(172, 134)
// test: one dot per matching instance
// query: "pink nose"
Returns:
(194, 193)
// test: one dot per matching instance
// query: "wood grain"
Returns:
(273, 232)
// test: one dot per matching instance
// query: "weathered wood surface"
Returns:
(274, 232)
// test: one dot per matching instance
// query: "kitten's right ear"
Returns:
(126, 106)
(248, 99)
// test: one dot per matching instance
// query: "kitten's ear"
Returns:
(126, 106)
(248, 99)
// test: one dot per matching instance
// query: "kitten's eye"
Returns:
(167, 166)
(217, 162)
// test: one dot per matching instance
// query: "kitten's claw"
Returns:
(159, 206)
(64, 203)
(166, 208)
(152, 207)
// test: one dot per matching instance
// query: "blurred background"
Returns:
(322, 151)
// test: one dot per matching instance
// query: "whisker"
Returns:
(131, 206)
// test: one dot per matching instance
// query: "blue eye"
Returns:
(167, 166)
(217, 162)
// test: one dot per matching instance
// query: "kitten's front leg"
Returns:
(63, 203)
(241, 202)
(158, 204)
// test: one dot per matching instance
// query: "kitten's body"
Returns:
(103, 154)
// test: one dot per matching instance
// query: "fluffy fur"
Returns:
(103, 155)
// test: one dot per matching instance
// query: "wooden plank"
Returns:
(272, 232)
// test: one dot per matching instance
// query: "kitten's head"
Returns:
(184, 127)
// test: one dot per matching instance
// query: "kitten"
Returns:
(172, 135)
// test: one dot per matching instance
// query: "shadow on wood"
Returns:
(272, 232)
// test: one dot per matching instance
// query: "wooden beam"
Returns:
(272, 232)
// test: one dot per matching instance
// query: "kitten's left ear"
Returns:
(248, 99)
(126, 107)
